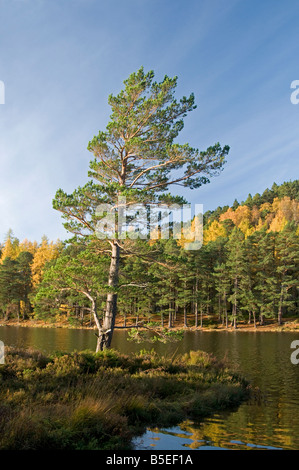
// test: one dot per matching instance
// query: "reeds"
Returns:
(85, 400)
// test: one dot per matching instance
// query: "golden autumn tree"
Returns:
(237, 216)
(27, 245)
(246, 227)
(11, 247)
(46, 251)
(213, 231)
(285, 210)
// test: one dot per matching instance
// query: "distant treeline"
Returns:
(246, 270)
(288, 189)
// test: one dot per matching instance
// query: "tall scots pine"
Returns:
(136, 156)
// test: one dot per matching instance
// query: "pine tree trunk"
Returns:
(105, 336)
(185, 308)
(185, 315)
(169, 316)
(196, 303)
(225, 311)
(235, 305)
(254, 319)
(279, 319)
(26, 309)
(176, 308)
(196, 315)
(7, 313)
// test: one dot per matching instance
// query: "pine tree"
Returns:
(287, 253)
(9, 287)
(266, 282)
(24, 261)
(249, 296)
(222, 285)
(236, 265)
(136, 157)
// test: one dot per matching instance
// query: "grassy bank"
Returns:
(100, 401)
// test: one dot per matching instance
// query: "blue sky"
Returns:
(60, 59)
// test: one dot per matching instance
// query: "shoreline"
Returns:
(288, 325)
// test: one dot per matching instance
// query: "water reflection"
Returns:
(189, 436)
(272, 422)
(264, 358)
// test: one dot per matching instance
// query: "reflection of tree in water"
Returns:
(270, 418)
(245, 428)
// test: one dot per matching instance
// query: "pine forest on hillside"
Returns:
(245, 272)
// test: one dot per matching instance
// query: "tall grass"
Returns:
(100, 401)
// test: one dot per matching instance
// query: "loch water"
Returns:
(264, 358)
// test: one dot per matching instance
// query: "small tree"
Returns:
(77, 274)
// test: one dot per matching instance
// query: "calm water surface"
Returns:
(264, 358)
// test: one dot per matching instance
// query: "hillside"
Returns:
(246, 272)
(270, 211)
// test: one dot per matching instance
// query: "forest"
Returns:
(246, 272)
